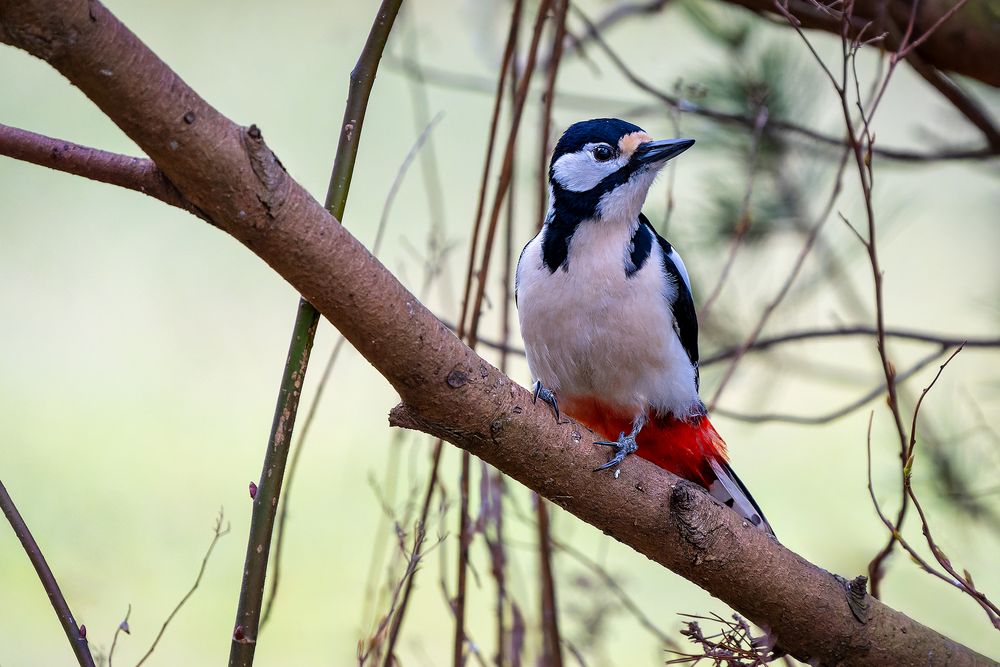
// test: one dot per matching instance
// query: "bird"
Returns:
(607, 314)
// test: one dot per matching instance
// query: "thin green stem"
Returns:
(244, 640)
(265, 500)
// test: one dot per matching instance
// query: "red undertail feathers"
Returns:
(690, 448)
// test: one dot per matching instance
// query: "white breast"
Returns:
(592, 332)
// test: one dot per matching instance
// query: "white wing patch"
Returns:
(679, 263)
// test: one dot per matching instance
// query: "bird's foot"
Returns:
(624, 446)
(548, 396)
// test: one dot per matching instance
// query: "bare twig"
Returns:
(769, 309)
(863, 331)
(77, 638)
(125, 171)
(551, 644)
(612, 584)
(866, 176)
(122, 627)
(733, 646)
(744, 219)
(615, 14)
(495, 478)
(963, 583)
(964, 580)
(506, 171)
(548, 97)
(833, 415)
(413, 559)
(464, 537)
(389, 658)
(506, 66)
(218, 533)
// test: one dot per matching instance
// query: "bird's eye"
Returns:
(603, 153)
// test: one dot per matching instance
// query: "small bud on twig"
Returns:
(253, 490)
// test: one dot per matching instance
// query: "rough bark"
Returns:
(233, 178)
(968, 43)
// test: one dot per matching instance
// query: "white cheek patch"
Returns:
(579, 171)
(625, 202)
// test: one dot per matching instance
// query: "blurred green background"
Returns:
(141, 349)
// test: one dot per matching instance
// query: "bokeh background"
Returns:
(141, 349)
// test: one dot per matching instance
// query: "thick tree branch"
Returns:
(447, 389)
(966, 43)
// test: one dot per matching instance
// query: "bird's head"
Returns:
(603, 168)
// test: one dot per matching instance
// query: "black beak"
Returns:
(652, 152)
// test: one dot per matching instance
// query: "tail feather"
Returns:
(730, 491)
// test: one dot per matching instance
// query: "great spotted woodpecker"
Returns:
(607, 316)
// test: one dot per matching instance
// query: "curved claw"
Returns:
(610, 443)
(547, 396)
(624, 446)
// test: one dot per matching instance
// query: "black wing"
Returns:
(685, 315)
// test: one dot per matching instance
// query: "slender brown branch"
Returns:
(862, 331)
(122, 627)
(548, 98)
(612, 17)
(551, 644)
(807, 246)
(464, 537)
(962, 581)
(447, 388)
(744, 217)
(132, 173)
(833, 415)
(866, 177)
(218, 533)
(389, 658)
(497, 482)
(77, 639)
(615, 587)
(506, 173)
(506, 65)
